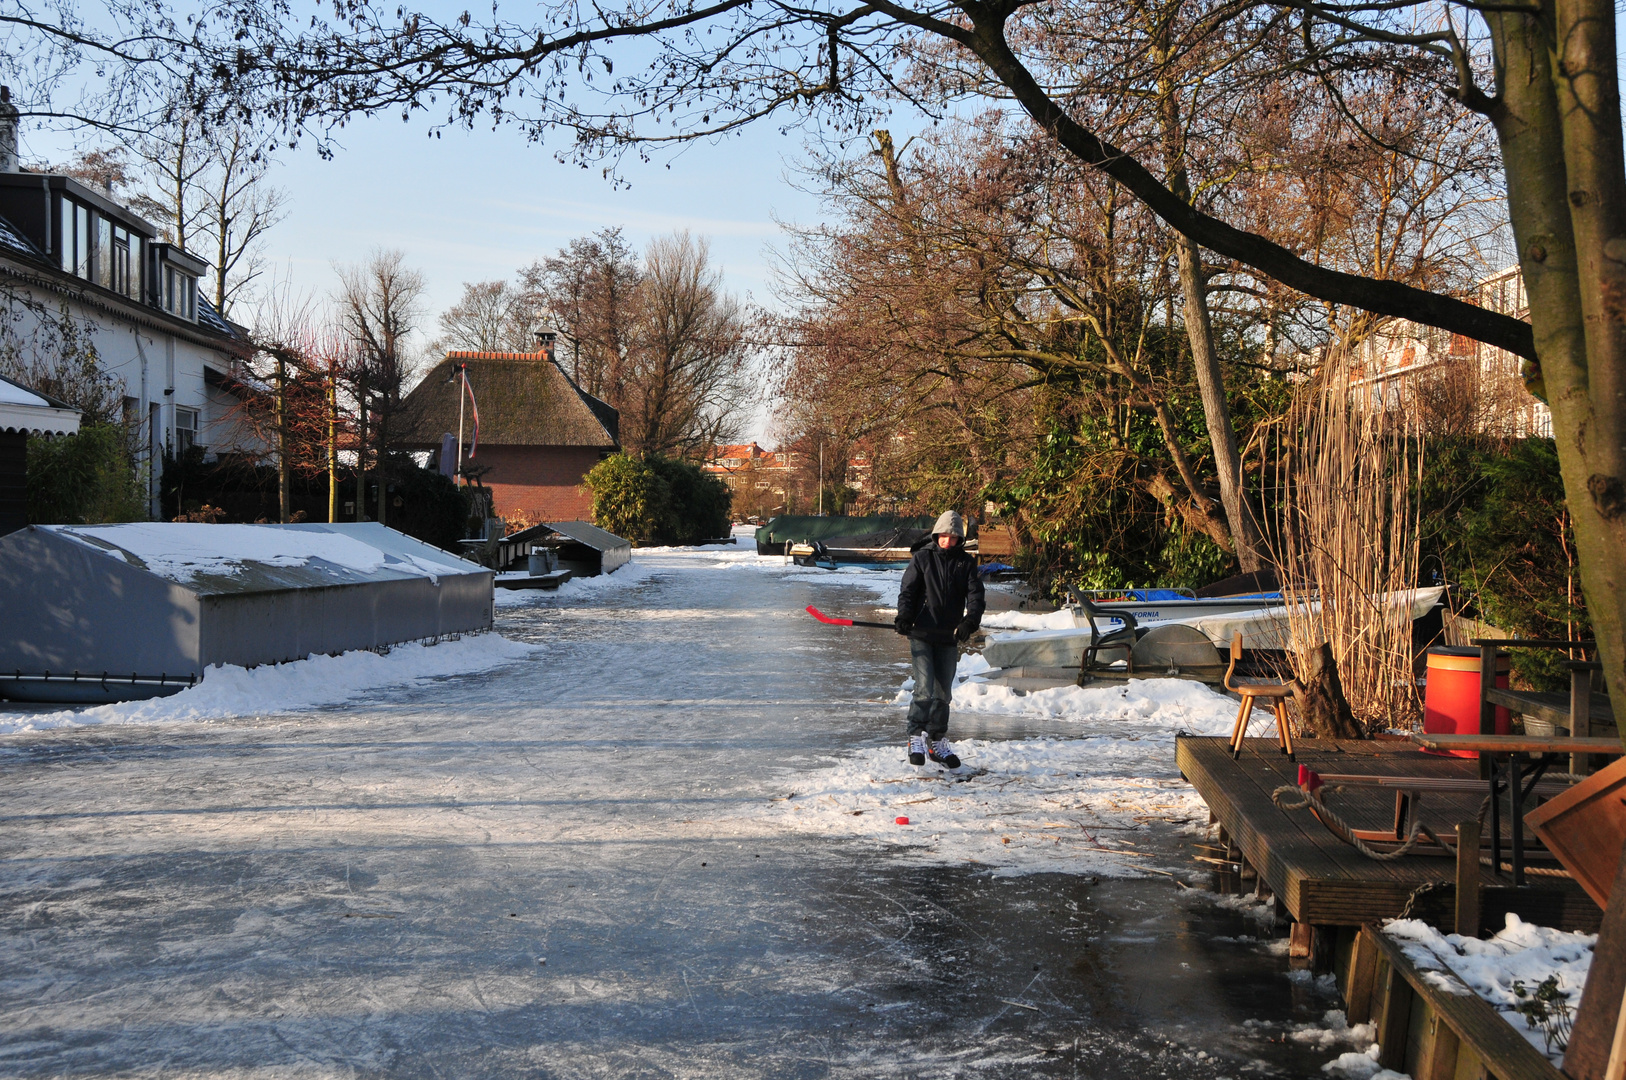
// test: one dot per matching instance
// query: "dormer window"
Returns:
(175, 276)
(98, 248)
(180, 294)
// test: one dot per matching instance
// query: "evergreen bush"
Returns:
(84, 479)
(656, 500)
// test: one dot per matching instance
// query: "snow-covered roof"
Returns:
(208, 316)
(16, 241)
(222, 559)
(22, 409)
(591, 535)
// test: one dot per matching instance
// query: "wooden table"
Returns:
(1523, 775)
(1518, 744)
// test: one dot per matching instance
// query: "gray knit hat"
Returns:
(949, 522)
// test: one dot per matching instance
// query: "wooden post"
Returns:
(1437, 1057)
(1395, 1024)
(1298, 941)
(1580, 714)
(1487, 711)
(1363, 971)
(1468, 878)
(1597, 1018)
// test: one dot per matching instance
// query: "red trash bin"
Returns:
(1451, 701)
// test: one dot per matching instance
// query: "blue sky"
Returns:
(473, 206)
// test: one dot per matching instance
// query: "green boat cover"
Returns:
(801, 528)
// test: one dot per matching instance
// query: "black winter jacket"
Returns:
(939, 589)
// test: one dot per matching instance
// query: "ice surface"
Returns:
(1520, 952)
(1071, 806)
(570, 863)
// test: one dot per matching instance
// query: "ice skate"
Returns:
(917, 748)
(942, 752)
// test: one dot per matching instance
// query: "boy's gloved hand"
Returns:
(903, 624)
(967, 627)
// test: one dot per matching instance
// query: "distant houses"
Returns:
(1450, 381)
(539, 432)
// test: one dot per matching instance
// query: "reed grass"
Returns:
(1346, 542)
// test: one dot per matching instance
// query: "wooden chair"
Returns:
(1277, 693)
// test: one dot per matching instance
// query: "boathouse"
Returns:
(151, 601)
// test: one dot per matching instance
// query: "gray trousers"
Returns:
(934, 685)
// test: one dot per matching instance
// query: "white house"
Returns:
(68, 251)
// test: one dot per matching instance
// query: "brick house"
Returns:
(539, 432)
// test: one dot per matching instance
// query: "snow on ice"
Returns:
(229, 691)
(1058, 805)
(1069, 805)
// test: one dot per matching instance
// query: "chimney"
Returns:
(545, 338)
(8, 132)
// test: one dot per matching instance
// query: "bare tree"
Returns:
(589, 292)
(490, 316)
(380, 307)
(211, 193)
(687, 387)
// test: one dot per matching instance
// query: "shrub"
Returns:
(698, 505)
(657, 500)
(84, 479)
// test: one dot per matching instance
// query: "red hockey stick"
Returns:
(823, 618)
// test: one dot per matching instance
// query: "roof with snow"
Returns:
(524, 399)
(16, 241)
(213, 560)
(23, 409)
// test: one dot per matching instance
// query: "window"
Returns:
(102, 257)
(186, 430)
(180, 294)
(123, 281)
(64, 217)
(81, 241)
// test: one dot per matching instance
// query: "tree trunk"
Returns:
(1216, 410)
(1324, 712)
(384, 459)
(361, 449)
(1594, 412)
(332, 450)
(1561, 154)
(283, 494)
(1200, 332)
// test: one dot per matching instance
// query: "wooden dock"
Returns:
(1324, 882)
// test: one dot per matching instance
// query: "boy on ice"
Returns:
(940, 603)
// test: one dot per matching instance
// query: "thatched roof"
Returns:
(525, 399)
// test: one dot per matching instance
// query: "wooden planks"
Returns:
(1317, 877)
(1471, 1022)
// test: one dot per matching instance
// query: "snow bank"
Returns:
(1520, 953)
(1027, 620)
(227, 692)
(1170, 704)
(1045, 805)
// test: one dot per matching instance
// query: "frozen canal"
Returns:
(591, 860)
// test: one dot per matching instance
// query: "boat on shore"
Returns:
(889, 549)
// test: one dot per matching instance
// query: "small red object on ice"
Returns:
(902, 821)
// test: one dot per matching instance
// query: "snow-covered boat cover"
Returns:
(219, 559)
